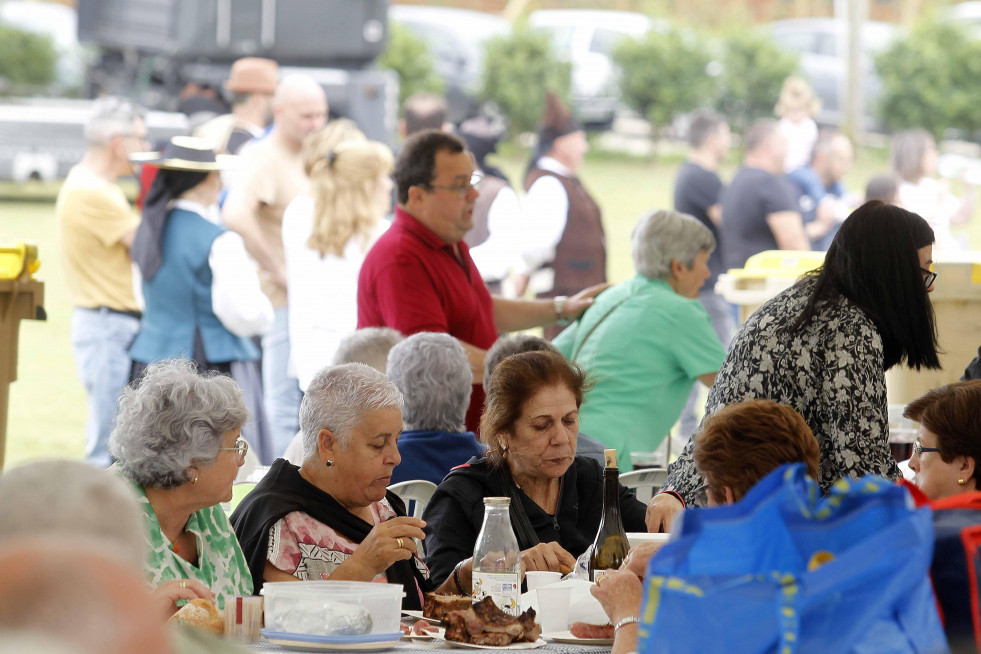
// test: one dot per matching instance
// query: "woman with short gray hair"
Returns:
(178, 441)
(333, 517)
(647, 340)
(433, 374)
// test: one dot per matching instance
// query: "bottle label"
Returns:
(504, 589)
(597, 575)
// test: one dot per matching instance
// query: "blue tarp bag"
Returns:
(788, 570)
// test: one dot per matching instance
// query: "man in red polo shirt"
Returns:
(419, 276)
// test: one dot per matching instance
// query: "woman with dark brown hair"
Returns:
(529, 427)
(948, 445)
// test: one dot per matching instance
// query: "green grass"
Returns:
(47, 402)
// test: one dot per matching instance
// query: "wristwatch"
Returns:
(558, 305)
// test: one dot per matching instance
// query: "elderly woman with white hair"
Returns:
(646, 341)
(178, 441)
(433, 374)
(333, 517)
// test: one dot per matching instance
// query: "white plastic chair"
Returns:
(645, 483)
(419, 492)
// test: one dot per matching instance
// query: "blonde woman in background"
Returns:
(914, 159)
(796, 109)
(326, 236)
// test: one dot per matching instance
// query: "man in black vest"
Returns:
(565, 244)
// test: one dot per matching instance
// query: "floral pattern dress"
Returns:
(832, 372)
(221, 565)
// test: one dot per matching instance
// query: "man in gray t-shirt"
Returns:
(759, 210)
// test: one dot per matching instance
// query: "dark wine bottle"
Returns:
(610, 547)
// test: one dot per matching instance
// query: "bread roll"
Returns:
(202, 614)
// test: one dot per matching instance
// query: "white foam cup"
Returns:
(553, 607)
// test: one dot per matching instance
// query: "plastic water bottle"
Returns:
(496, 558)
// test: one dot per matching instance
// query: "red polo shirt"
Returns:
(413, 282)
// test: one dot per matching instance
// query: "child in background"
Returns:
(796, 109)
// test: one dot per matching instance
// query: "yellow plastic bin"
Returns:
(21, 298)
(765, 275)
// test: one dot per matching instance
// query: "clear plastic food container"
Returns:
(332, 608)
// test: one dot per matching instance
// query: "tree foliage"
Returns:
(26, 58)
(930, 79)
(518, 69)
(751, 71)
(664, 75)
(411, 60)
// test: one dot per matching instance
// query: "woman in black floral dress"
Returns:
(823, 347)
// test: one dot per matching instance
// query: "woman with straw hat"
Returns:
(203, 300)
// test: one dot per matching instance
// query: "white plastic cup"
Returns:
(538, 578)
(553, 608)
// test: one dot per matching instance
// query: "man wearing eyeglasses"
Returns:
(98, 225)
(419, 276)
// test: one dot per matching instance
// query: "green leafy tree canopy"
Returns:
(930, 79)
(411, 60)
(664, 75)
(752, 70)
(518, 69)
(26, 58)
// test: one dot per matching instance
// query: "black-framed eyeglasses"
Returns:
(241, 446)
(919, 449)
(928, 277)
(459, 189)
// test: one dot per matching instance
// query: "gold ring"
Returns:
(399, 542)
(599, 580)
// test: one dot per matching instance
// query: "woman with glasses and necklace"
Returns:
(177, 440)
(823, 347)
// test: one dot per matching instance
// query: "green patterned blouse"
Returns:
(221, 564)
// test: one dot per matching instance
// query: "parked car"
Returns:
(821, 43)
(587, 38)
(456, 42)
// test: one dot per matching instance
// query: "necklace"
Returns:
(175, 545)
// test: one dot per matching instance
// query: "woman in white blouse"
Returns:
(326, 236)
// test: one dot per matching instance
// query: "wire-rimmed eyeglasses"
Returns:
(459, 189)
(241, 446)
